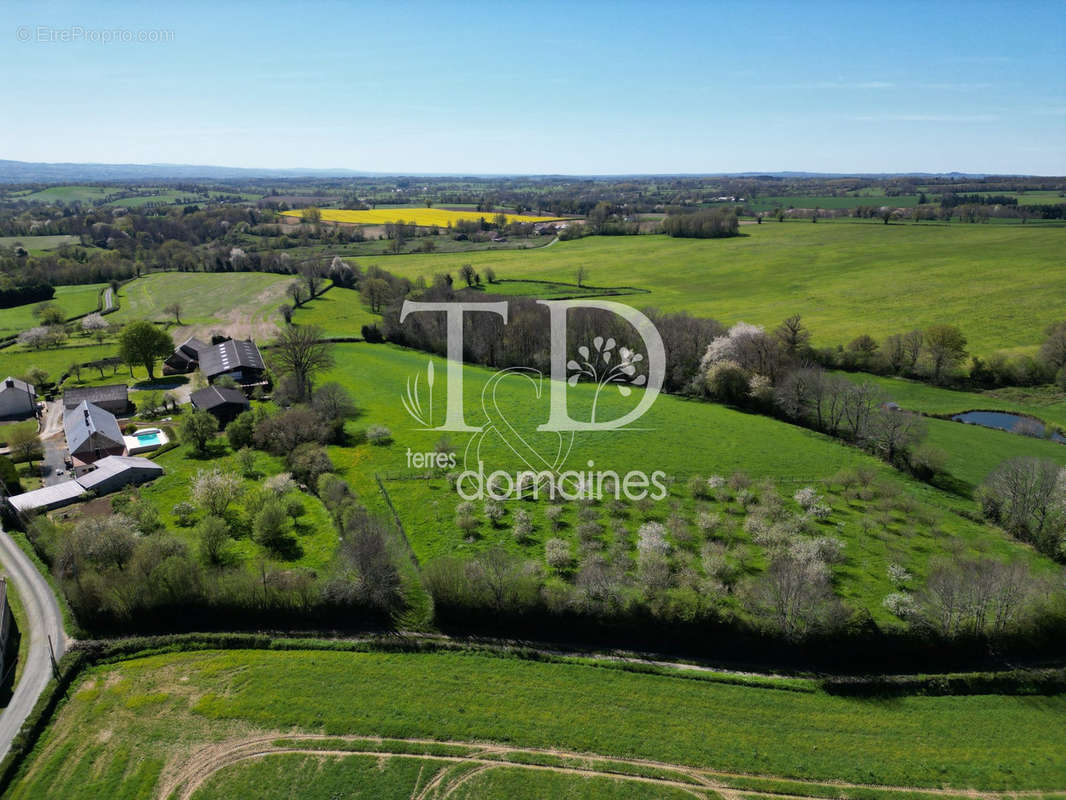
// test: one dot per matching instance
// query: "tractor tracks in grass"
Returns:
(460, 761)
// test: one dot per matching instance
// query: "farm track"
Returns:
(185, 778)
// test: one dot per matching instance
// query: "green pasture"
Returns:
(127, 725)
(845, 278)
(74, 300)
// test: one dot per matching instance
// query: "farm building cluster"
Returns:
(101, 458)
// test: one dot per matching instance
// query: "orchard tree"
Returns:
(214, 490)
(95, 325)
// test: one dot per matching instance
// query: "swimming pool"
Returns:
(144, 440)
(154, 436)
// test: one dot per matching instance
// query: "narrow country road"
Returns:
(109, 300)
(44, 620)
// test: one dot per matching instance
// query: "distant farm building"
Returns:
(18, 399)
(223, 403)
(92, 433)
(114, 398)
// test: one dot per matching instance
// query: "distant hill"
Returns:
(45, 172)
(42, 172)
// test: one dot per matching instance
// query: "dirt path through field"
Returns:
(182, 779)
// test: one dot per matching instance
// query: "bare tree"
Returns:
(175, 309)
(860, 402)
(301, 352)
(975, 597)
(891, 433)
(793, 334)
(1027, 496)
(794, 596)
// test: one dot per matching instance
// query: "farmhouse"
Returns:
(18, 399)
(223, 403)
(92, 433)
(185, 357)
(239, 360)
(109, 475)
(113, 398)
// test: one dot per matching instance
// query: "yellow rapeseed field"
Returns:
(419, 216)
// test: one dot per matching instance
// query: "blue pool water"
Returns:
(149, 438)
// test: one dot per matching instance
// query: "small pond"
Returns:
(1005, 421)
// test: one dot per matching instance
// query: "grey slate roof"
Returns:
(115, 393)
(15, 385)
(214, 396)
(67, 492)
(114, 465)
(47, 497)
(193, 347)
(231, 355)
(90, 427)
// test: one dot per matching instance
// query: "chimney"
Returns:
(10, 383)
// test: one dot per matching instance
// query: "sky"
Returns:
(522, 88)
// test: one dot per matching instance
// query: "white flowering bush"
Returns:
(901, 604)
(523, 525)
(715, 482)
(554, 515)
(493, 511)
(557, 553)
(820, 511)
(651, 538)
(761, 388)
(829, 549)
(899, 575)
(279, 484)
(807, 498)
(378, 434)
(728, 347)
(708, 523)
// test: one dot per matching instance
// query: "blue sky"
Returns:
(587, 88)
